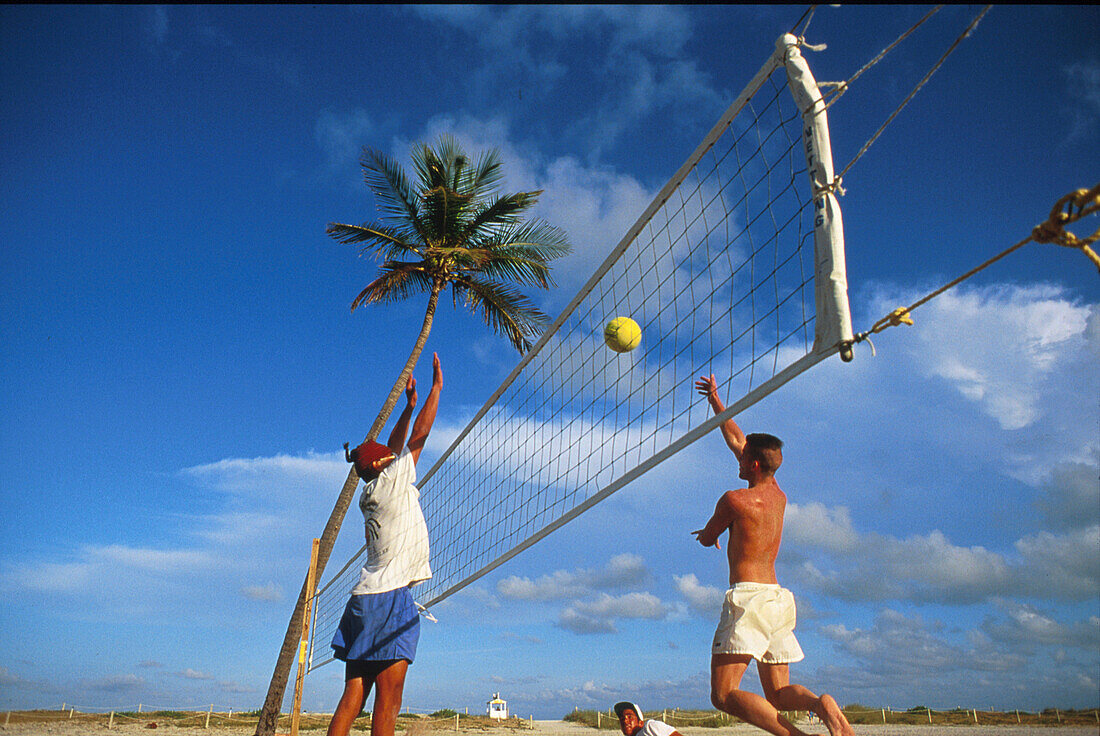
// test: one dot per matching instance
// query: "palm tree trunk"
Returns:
(269, 714)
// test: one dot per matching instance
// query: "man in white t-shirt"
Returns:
(632, 723)
(380, 628)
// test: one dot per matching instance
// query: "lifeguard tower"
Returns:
(497, 708)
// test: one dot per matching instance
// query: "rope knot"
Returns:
(834, 187)
(899, 316)
(1069, 209)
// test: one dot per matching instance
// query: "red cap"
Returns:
(365, 454)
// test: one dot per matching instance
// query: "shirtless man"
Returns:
(758, 616)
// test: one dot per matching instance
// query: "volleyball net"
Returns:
(736, 268)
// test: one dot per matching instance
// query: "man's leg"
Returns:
(726, 671)
(389, 686)
(776, 681)
(351, 705)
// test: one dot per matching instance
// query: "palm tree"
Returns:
(448, 229)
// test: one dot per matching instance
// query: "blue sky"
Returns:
(180, 366)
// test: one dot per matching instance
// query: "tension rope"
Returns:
(1067, 210)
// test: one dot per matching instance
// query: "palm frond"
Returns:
(436, 167)
(525, 271)
(445, 212)
(379, 240)
(396, 283)
(504, 210)
(505, 310)
(386, 178)
(486, 174)
(535, 239)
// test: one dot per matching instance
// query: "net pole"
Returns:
(299, 681)
(833, 325)
(773, 62)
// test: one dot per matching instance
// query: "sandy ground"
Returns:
(546, 728)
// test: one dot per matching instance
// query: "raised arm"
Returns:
(732, 433)
(397, 436)
(426, 417)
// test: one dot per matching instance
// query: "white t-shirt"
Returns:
(397, 535)
(655, 728)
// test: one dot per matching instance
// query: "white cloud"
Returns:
(1062, 565)
(190, 674)
(1083, 87)
(703, 599)
(97, 566)
(115, 683)
(944, 666)
(644, 47)
(930, 568)
(1024, 628)
(235, 688)
(282, 475)
(270, 593)
(1071, 498)
(598, 616)
(625, 571)
(139, 558)
(817, 526)
(999, 346)
(908, 646)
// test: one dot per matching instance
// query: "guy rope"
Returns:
(1069, 209)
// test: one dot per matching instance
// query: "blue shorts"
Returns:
(378, 627)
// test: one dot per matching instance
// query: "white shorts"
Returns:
(758, 619)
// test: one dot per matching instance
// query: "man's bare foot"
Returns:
(833, 718)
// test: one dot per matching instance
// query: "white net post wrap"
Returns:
(736, 268)
(834, 322)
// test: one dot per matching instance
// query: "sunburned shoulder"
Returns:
(768, 493)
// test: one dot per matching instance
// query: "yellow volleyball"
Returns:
(622, 334)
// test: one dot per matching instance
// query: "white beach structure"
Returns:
(497, 708)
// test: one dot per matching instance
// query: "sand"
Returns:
(541, 728)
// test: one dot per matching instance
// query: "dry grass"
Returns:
(411, 723)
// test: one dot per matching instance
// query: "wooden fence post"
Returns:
(456, 721)
(884, 716)
(929, 715)
(111, 722)
(208, 716)
(71, 713)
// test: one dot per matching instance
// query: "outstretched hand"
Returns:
(410, 392)
(699, 538)
(437, 372)
(707, 386)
